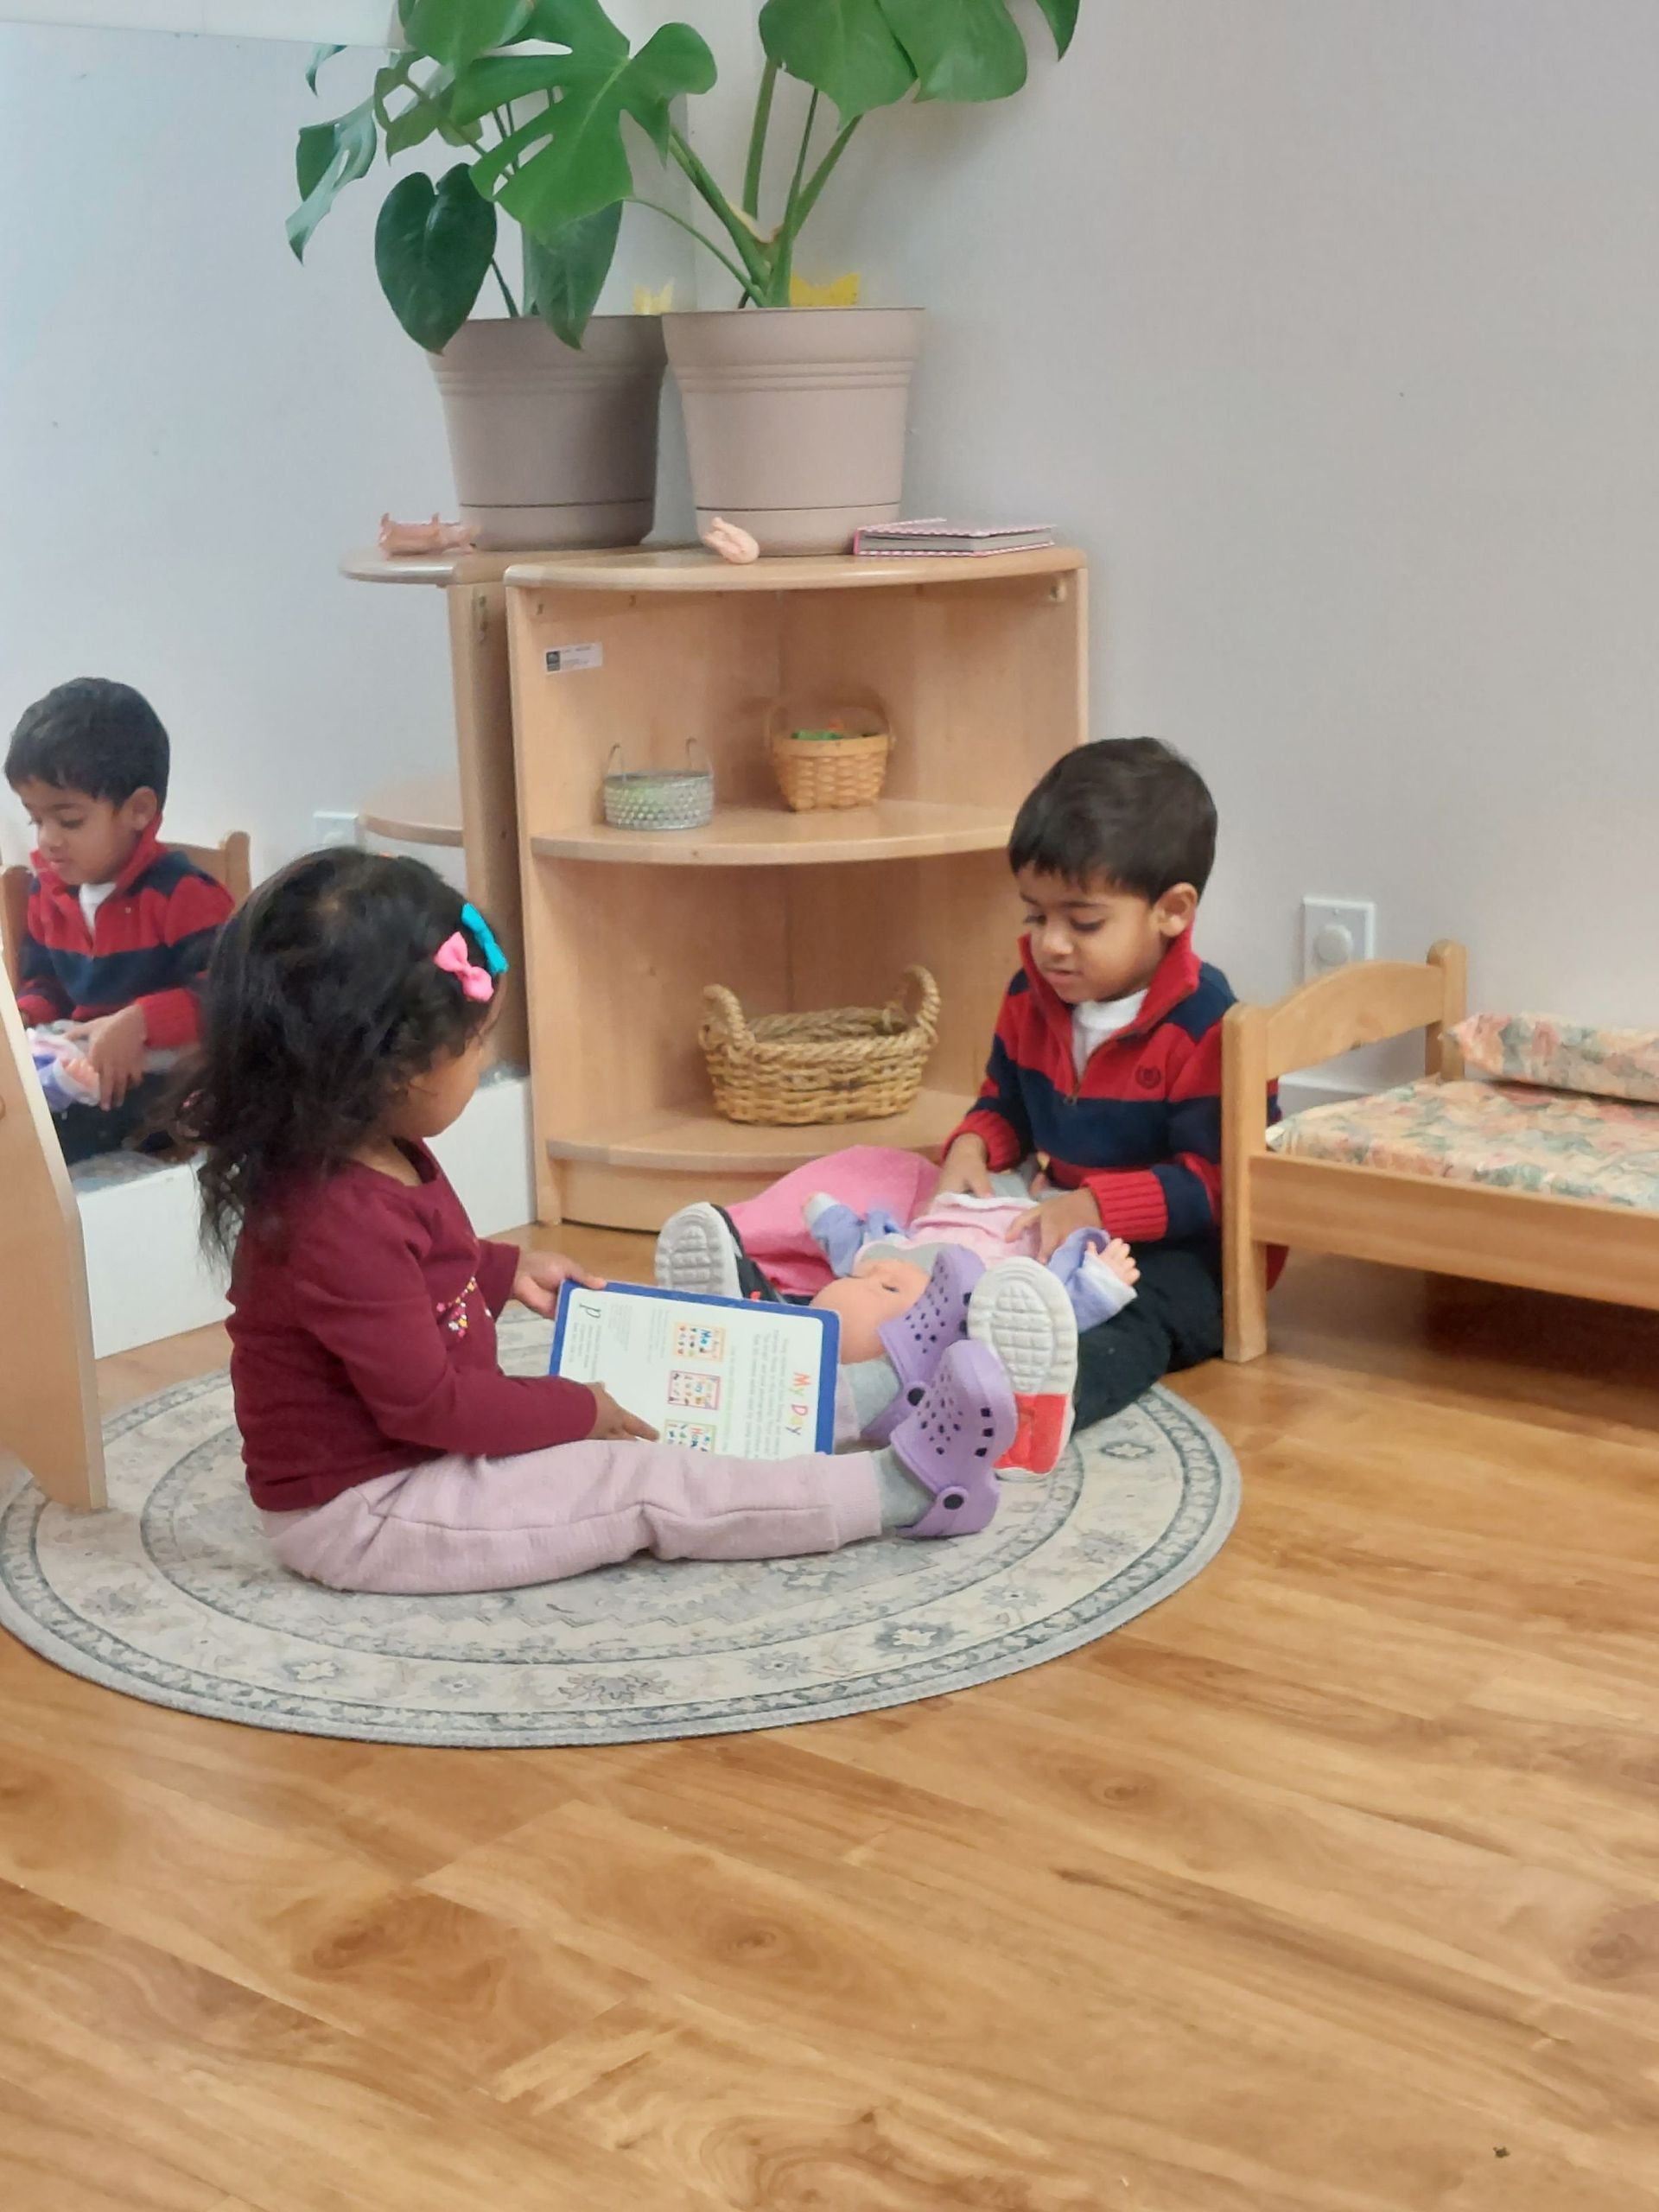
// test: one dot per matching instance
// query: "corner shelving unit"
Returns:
(980, 665)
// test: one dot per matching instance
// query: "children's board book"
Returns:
(754, 1380)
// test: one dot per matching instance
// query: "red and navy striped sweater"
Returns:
(1140, 1128)
(149, 946)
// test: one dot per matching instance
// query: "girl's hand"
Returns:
(613, 1422)
(1056, 1219)
(967, 1167)
(540, 1273)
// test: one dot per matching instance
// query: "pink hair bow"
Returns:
(452, 956)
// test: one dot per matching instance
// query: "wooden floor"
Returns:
(1332, 1883)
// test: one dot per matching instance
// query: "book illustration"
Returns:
(693, 1435)
(687, 1388)
(697, 1340)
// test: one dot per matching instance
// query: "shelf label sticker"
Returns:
(561, 660)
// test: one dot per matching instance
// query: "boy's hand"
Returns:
(540, 1273)
(115, 1044)
(613, 1422)
(967, 1166)
(1056, 1219)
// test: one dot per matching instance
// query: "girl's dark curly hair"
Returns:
(322, 1003)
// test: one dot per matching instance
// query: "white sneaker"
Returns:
(696, 1255)
(1022, 1312)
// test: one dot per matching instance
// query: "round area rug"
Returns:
(170, 1596)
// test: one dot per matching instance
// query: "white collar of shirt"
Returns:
(1097, 1019)
(92, 896)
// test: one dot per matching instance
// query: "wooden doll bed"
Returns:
(1585, 1248)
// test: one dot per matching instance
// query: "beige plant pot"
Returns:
(794, 418)
(552, 447)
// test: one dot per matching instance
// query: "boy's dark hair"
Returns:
(322, 1003)
(94, 736)
(1127, 811)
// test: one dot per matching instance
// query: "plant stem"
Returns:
(748, 246)
(822, 174)
(783, 265)
(758, 141)
(513, 304)
(691, 231)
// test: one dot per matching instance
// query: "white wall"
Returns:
(1333, 331)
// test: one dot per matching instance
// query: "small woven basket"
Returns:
(839, 759)
(659, 798)
(850, 1063)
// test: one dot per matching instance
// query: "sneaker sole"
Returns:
(1022, 1313)
(695, 1255)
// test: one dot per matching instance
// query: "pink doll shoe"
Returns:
(952, 1440)
(1022, 1313)
(917, 1340)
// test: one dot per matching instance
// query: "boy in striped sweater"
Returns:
(1106, 1062)
(119, 929)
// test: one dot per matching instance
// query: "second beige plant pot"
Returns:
(794, 418)
(551, 447)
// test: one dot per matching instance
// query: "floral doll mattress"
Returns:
(1508, 1136)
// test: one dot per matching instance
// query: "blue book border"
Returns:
(829, 1324)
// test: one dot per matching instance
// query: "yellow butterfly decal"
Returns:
(646, 301)
(843, 292)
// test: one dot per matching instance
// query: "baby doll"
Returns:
(883, 1267)
(67, 1077)
(1097, 1271)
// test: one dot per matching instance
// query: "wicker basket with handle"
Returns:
(834, 757)
(849, 1063)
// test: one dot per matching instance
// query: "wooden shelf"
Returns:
(691, 569)
(424, 811)
(771, 837)
(693, 1139)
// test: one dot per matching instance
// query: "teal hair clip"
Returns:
(484, 937)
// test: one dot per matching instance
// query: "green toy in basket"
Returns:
(659, 798)
(834, 761)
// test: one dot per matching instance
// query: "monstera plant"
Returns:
(559, 124)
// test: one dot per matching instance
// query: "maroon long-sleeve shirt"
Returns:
(363, 1341)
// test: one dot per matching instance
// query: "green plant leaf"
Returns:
(843, 48)
(319, 56)
(582, 165)
(1061, 17)
(329, 156)
(433, 246)
(457, 31)
(499, 79)
(960, 49)
(565, 273)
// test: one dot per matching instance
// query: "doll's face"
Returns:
(876, 1293)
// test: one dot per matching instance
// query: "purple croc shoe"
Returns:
(952, 1441)
(917, 1341)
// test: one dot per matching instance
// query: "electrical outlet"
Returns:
(336, 829)
(1336, 932)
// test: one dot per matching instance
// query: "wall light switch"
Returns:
(336, 829)
(1336, 932)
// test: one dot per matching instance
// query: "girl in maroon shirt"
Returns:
(344, 1025)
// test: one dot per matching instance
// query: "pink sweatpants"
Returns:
(455, 1524)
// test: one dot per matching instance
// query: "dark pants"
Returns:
(84, 1131)
(1174, 1322)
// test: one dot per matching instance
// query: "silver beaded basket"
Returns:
(659, 798)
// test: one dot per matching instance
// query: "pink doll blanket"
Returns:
(773, 1227)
